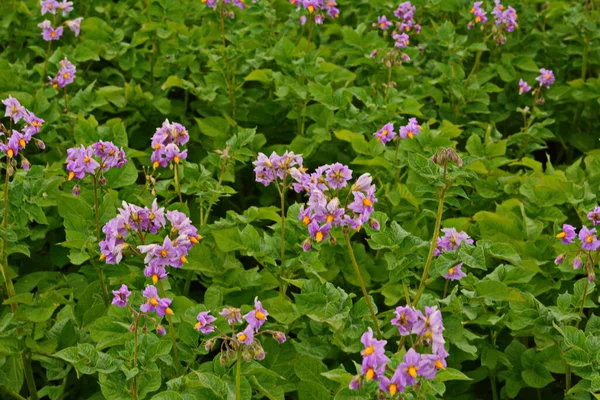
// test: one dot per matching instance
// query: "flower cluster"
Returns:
(65, 74)
(276, 168)
(405, 24)
(588, 244)
(415, 366)
(324, 210)
(317, 10)
(246, 338)
(152, 303)
(80, 161)
(451, 242)
(386, 134)
(545, 79)
(136, 222)
(505, 19)
(54, 7)
(16, 140)
(241, 4)
(166, 141)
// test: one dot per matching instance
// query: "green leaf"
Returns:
(498, 291)
(451, 374)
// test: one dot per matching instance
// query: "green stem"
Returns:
(214, 197)
(238, 375)
(475, 67)
(135, 355)
(493, 384)
(446, 288)
(47, 58)
(99, 270)
(310, 28)
(282, 286)
(438, 222)
(396, 160)
(178, 183)
(585, 57)
(11, 393)
(362, 284)
(171, 329)
(29, 379)
(10, 289)
(567, 377)
(389, 81)
(585, 290)
(66, 101)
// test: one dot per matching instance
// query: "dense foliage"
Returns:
(303, 199)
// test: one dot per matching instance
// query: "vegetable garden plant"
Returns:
(299, 199)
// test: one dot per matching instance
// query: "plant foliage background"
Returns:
(516, 326)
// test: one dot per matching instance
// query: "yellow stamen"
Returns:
(561, 235)
(102, 257)
(306, 220)
(382, 25)
(22, 142)
(439, 365)
(242, 337)
(473, 10)
(319, 236)
(163, 253)
(428, 334)
(10, 153)
(410, 135)
(183, 259)
(412, 371)
(451, 271)
(367, 202)
(157, 146)
(153, 301)
(368, 351)
(194, 240)
(547, 76)
(198, 325)
(154, 278)
(260, 315)
(176, 159)
(588, 239)
(66, 75)
(370, 374)
(393, 389)
(358, 228)
(155, 165)
(169, 311)
(385, 132)
(311, 9)
(55, 85)
(330, 218)
(52, 34)
(478, 19)
(87, 159)
(407, 28)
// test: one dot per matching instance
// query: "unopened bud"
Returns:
(332, 240)
(559, 259)
(223, 359)
(208, 345)
(279, 336)
(160, 330)
(132, 327)
(374, 224)
(307, 244)
(76, 190)
(102, 181)
(446, 155)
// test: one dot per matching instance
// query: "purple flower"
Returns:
(430, 328)
(232, 315)
(74, 25)
(257, 317)
(559, 259)
(204, 323)
(393, 385)
(246, 336)
(405, 12)
(386, 133)
(65, 7)
(478, 12)
(546, 78)
(593, 215)
(49, 6)
(410, 367)
(14, 109)
(331, 214)
(451, 240)
(374, 352)
(373, 54)
(371, 370)
(355, 383)
(363, 203)
(121, 296)
(319, 19)
(49, 33)
(402, 39)
(319, 232)
(160, 330)
(163, 307)
(411, 129)
(155, 272)
(307, 244)
(588, 239)
(569, 232)
(11, 148)
(152, 299)
(80, 161)
(383, 22)
(302, 20)
(210, 3)
(406, 316)
(65, 75)
(523, 87)
(338, 175)
(33, 125)
(166, 141)
(510, 19)
(363, 183)
(455, 273)
(577, 263)
(432, 363)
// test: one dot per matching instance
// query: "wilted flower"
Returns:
(121, 296)
(546, 78)
(74, 25)
(232, 314)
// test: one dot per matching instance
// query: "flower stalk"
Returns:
(163, 293)
(99, 270)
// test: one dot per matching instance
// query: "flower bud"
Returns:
(102, 180)
(132, 327)
(374, 224)
(208, 345)
(332, 240)
(10, 170)
(559, 260)
(577, 263)
(160, 330)
(405, 57)
(355, 383)
(223, 359)
(76, 190)
(279, 336)
(307, 244)
(25, 164)
(40, 144)
(248, 356)
(259, 355)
